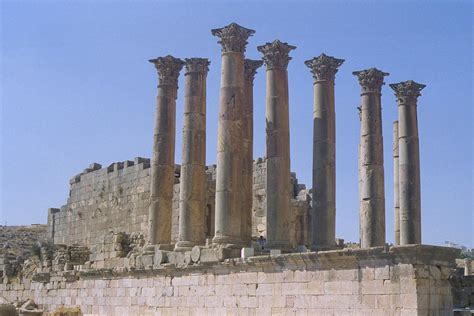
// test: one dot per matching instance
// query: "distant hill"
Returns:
(17, 240)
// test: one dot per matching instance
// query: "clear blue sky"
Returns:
(77, 88)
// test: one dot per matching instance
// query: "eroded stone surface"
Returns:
(162, 163)
(104, 201)
(278, 188)
(324, 69)
(371, 170)
(229, 189)
(192, 194)
(382, 281)
(407, 93)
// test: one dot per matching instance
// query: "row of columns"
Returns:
(234, 174)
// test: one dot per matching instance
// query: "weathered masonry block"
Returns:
(401, 280)
(116, 198)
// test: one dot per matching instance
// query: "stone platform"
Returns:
(401, 280)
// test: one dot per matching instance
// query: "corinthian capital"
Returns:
(371, 80)
(276, 54)
(407, 91)
(250, 68)
(198, 65)
(168, 68)
(324, 67)
(233, 37)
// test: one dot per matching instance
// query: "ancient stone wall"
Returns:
(116, 199)
(403, 280)
(102, 199)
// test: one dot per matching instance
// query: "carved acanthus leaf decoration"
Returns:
(324, 67)
(276, 54)
(250, 68)
(199, 65)
(168, 68)
(371, 80)
(233, 37)
(407, 91)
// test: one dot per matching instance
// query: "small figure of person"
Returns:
(261, 241)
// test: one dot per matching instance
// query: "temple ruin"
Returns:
(153, 237)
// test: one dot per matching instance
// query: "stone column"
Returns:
(233, 39)
(276, 58)
(396, 196)
(192, 194)
(407, 94)
(162, 165)
(250, 69)
(371, 175)
(324, 69)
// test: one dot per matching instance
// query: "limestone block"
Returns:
(248, 301)
(176, 258)
(145, 260)
(340, 287)
(195, 254)
(315, 287)
(160, 257)
(382, 273)
(264, 289)
(247, 252)
(275, 252)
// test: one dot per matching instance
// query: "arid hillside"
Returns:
(17, 240)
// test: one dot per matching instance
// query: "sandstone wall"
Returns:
(403, 280)
(116, 198)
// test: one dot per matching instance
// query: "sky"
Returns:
(77, 87)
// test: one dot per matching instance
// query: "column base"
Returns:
(284, 246)
(184, 246)
(168, 247)
(228, 242)
(323, 247)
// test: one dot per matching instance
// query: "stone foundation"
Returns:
(401, 280)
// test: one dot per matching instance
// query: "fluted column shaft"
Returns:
(409, 161)
(324, 69)
(192, 194)
(229, 136)
(276, 58)
(396, 195)
(163, 163)
(250, 69)
(371, 175)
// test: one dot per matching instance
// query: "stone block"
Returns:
(382, 273)
(264, 289)
(315, 287)
(146, 260)
(340, 287)
(223, 290)
(218, 254)
(247, 252)
(176, 258)
(275, 252)
(302, 248)
(293, 288)
(246, 277)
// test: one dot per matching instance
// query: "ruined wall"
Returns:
(403, 280)
(116, 198)
(103, 199)
(300, 206)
